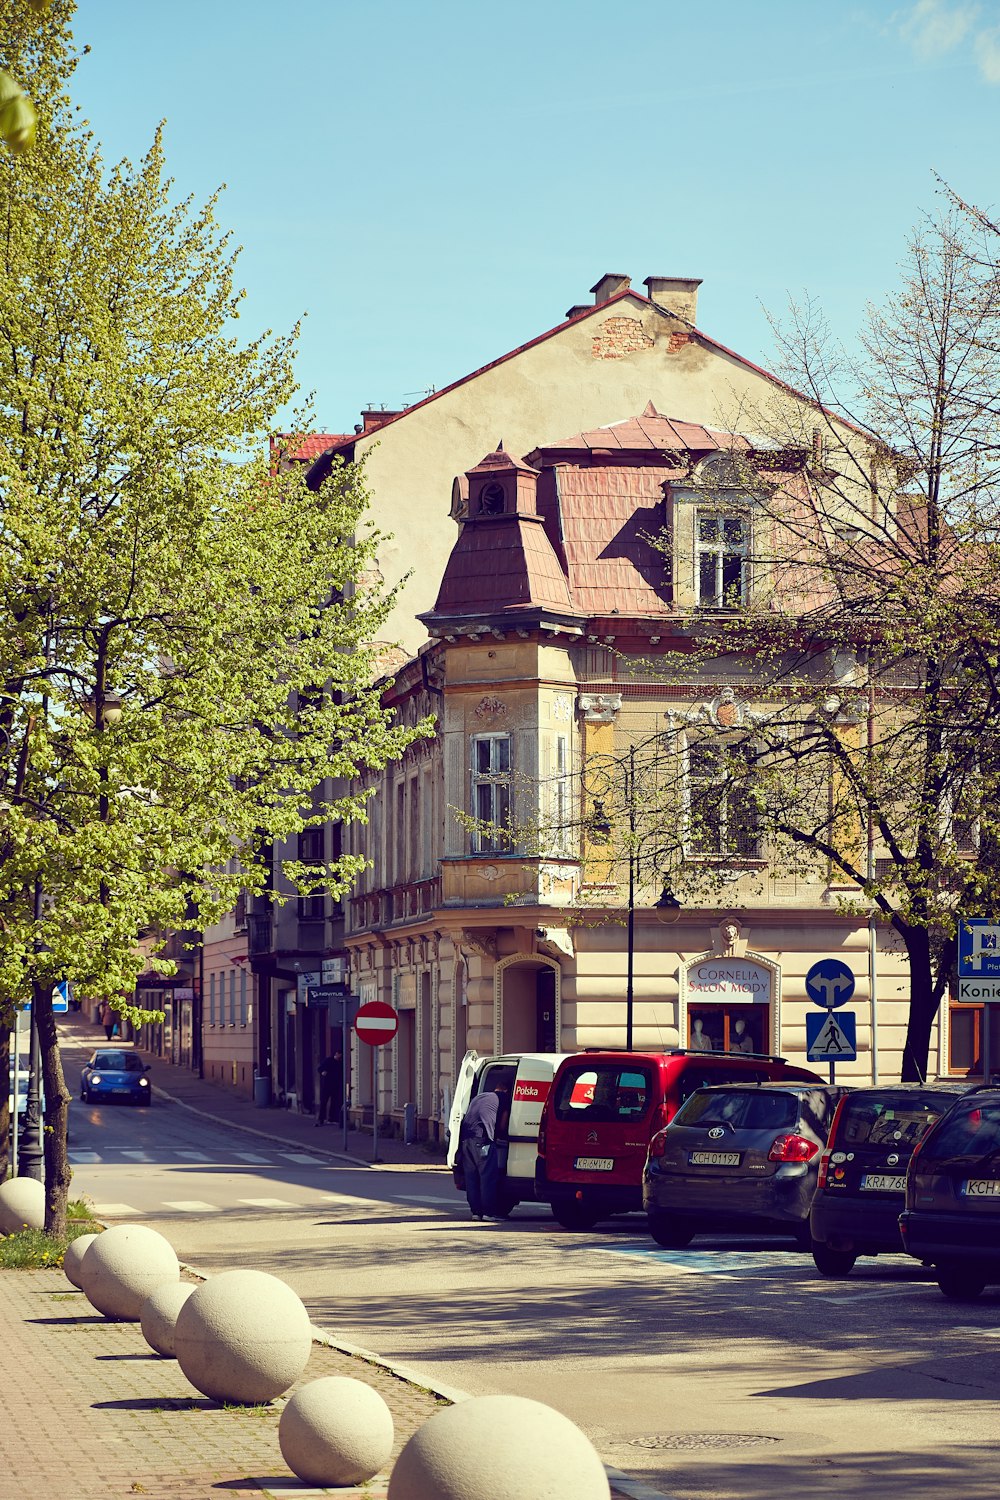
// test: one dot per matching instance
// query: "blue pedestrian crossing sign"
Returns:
(831, 1038)
(830, 983)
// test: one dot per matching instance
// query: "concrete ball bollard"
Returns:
(335, 1432)
(158, 1315)
(122, 1267)
(244, 1336)
(498, 1448)
(22, 1205)
(73, 1258)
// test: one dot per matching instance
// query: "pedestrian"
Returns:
(331, 1088)
(108, 1020)
(485, 1119)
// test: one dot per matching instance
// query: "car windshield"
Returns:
(118, 1062)
(890, 1120)
(742, 1109)
(603, 1091)
(971, 1131)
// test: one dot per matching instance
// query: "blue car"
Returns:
(113, 1073)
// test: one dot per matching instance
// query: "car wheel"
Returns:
(959, 1284)
(830, 1262)
(574, 1216)
(671, 1233)
(85, 1095)
(803, 1239)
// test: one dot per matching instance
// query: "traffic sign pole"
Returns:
(375, 1106)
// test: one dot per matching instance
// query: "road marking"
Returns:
(84, 1158)
(266, 1202)
(193, 1155)
(426, 1198)
(115, 1210)
(137, 1155)
(192, 1206)
(257, 1161)
(306, 1161)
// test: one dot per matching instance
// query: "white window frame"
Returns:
(726, 849)
(720, 550)
(494, 781)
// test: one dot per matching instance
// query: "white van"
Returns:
(528, 1076)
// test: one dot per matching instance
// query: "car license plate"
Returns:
(594, 1163)
(981, 1187)
(878, 1182)
(714, 1158)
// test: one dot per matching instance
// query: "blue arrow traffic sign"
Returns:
(830, 983)
(831, 1038)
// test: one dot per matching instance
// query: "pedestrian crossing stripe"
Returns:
(115, 1210)
(193, 1206)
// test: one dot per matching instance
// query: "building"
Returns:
(560, 651)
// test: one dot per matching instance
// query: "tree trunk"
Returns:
(57, 1168)
(923, 1005)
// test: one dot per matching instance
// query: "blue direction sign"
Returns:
(978, 948)
(830, 983)
(831, 1038)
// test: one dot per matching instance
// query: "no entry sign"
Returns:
(376, 1023)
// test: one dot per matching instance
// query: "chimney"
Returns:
(678, 294)
(610, 283)
(578, 308)
(376, 416)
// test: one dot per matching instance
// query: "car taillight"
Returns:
(792, 1148)
(657, 1145)
(824, 1163)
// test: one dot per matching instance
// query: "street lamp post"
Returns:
(667, 908)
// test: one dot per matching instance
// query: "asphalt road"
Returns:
(728, 1369)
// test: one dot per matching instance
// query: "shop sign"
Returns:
(734, 981)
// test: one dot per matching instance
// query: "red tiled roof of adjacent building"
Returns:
(308, 446)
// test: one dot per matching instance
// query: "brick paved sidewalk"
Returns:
(88, 1411)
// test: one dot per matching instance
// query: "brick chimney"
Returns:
(678, 294)
(610, 283)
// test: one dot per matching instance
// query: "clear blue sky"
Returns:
(434, 181)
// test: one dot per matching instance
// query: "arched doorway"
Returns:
(527, 1004)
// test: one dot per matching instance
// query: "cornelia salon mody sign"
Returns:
(731, 979)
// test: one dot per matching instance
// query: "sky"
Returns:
(429, 183)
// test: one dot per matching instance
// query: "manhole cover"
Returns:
(702, 1440)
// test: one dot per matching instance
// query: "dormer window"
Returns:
(492, 500)
(722, 546)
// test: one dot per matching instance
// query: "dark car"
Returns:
(738, 1157)
(952, 1213)
(604, 1108)
(114, 1073)
(862, 1172)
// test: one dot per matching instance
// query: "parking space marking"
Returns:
(192, 1206)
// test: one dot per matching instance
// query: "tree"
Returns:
(873, 608)
(183, 640)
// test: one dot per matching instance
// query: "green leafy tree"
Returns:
(183, 638)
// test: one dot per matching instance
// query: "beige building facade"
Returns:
(494, 914)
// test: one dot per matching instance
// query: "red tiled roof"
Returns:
(310, 445)
(505, 566)
(651, 432)
(606, 516)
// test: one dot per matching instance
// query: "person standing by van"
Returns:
(485, 1119)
